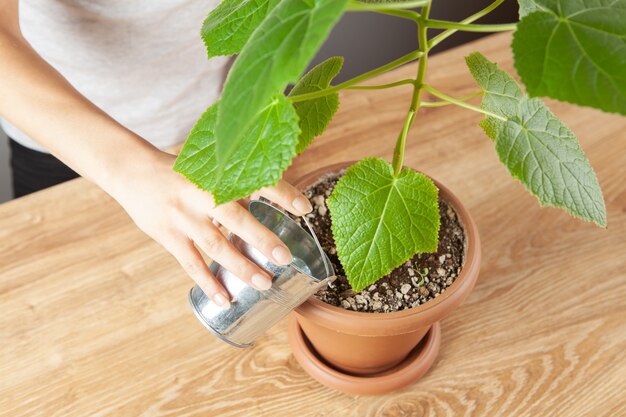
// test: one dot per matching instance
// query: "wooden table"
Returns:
(95, 318)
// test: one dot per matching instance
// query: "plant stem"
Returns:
(382, 86)
(423, 21)
(482, 12)
(445, 103)
(358, 6)
(460, 103)
(422, 35)
(405, 14)
(393, 64)
(444, 35)
(466, 27)
(398, 151)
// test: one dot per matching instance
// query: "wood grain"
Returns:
(95, 319)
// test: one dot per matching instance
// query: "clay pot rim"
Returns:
(340, 319)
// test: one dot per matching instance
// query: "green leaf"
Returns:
(265, 151)
(380, 220)
(536, 147)
(276, 54)
(574, 51)
(228, 27)
(316, 114)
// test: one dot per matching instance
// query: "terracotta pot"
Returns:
(360, 343)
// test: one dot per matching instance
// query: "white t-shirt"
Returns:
(141, 61)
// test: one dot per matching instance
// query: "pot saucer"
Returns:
(416, 364)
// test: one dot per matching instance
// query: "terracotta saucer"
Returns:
(416, 364)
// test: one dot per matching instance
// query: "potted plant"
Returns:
(397, 279)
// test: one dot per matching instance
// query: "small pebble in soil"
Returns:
(420, 279)
(405, 288)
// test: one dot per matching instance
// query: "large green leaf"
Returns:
(315, 114)
(264, 153)
(276, 54)
(380, 220)
(228, 27)
(536, 147)
(574, 50)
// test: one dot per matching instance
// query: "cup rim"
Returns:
(327, 263)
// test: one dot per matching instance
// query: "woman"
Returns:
(105, 86)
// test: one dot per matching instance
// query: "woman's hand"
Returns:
(182, 218)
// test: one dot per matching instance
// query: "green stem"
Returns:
(466, 27)
(387, 67)
(358, 6)
(482, 12)
(382, 86)
(405, 14)
(447, 33)
(398, 151)
(445, 103)
(460, 103)
(422, 35)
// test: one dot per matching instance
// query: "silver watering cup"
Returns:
(252, 312)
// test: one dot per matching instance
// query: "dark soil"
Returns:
(422, 278)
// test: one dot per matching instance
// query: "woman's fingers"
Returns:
(174, 212)
(212, 242)
(288, 197)
(240, 222)
(190, 259)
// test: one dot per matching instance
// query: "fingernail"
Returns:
(281, 255)
(302, 204)
(261, 282)
(221, 301)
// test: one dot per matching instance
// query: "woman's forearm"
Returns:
(40, 102)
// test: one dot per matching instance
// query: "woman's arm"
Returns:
(40, 102)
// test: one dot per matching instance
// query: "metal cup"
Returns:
(252, 312)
